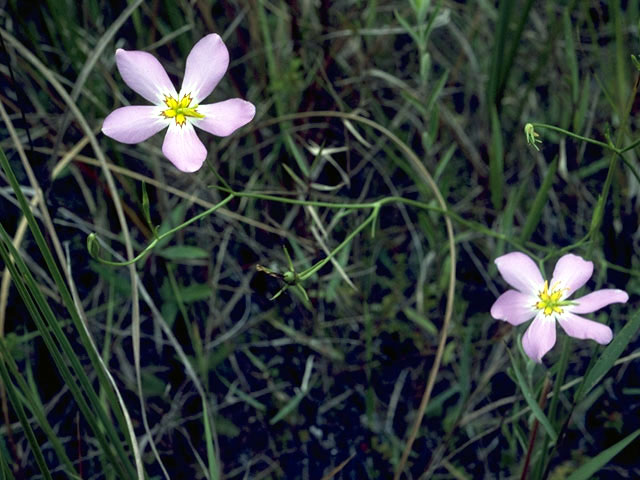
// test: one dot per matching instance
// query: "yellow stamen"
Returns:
(180, 109)
(550, 302)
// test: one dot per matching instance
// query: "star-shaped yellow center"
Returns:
(550, 301)
(180, 109)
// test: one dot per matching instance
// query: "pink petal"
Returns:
(183, 147)
(144, 74)
(206, 64)
(578, 327)
(571, 273)
(520, 272)
(133, 124)
(224, 118)
(540, 337)
(514, 307)
(598, 299)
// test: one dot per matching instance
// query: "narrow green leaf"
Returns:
(496, 160)
(600, 460)
(421, 320)
(195, 292)
(609, 355)
(234, 390)
(289, 407)
(570, 51)
(46, 323)
(598, 211)
(301, 183)
(108, 426)
(435, 91)
(211, 455)
(407, 27)
(24, 421)
(183, 252)
(533, 218)
(297, 154)
(496, 74)
(35, 406)
(145, 205)
(531, 400)
(5, 471)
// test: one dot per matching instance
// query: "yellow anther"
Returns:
(171, 102)
(185, 101)
(180, 109)
(550, 302)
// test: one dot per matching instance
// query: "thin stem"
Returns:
(630, 147)
(478, 227)
(534, 432)
(311, 270)
(576, 136)
(166, 234)
(555, 397)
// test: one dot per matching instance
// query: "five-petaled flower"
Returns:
(547, 302)
(206, 64)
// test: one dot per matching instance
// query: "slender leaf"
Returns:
(531, 400)
(572, 61)
(609, 355)
(33, 403)
(214, 471)
(533, 218)
(496, 160)
(183, 252)
(600, 460)
(52, 322)
(24, 421)
(289, 407)
(47, 323)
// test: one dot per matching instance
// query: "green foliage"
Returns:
(292, 303)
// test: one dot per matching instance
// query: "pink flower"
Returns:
(547, 302)
(206, 64)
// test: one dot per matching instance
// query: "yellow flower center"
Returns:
(181, 109)
(550, 301)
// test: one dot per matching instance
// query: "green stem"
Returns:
(553, 407)
(155, 241)
(576, 136)
(311, 270)
(394, 199)
(630, 147)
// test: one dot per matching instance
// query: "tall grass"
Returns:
(314, 302)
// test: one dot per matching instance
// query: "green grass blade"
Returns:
(37, 409)
(608, 357)
(572, 61)
(496, 73)
(600, 460)
(515, 37)
(531, 401)
(289, 407)
(208, 436)
(533, 218)
(68, 303)
(24, 421)
(5, 471)
(496, 160)
(46, 322)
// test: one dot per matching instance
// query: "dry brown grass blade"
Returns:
(337, 470)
